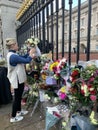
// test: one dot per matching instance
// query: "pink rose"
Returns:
(93, 97)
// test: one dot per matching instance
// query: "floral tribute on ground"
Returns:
(74, 89)
(84, 89)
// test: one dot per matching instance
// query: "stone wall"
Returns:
(8, 18)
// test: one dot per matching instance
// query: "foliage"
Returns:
(30, 80)
(84, 85)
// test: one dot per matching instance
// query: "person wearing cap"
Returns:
(17, 76)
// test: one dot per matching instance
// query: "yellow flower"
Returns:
(63, 89)
(44, 76)
(54, 64)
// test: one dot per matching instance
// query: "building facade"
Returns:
(8, 23)
(10, 11)
(83, 28)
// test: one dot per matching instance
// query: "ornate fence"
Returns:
(43, 18)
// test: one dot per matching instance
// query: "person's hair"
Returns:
(9, 42)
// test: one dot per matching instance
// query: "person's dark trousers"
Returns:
(17, 99)
(73, 128)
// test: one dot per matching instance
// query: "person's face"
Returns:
(15, 47)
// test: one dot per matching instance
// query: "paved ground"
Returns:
(34, 122)
(28, 123)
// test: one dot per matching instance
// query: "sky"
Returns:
(75, 3)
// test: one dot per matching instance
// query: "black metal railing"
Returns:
(46, 20)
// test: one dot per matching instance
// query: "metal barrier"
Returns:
(43, 18)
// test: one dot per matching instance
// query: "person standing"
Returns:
(17, 76)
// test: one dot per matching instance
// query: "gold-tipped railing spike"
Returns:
(25, 5)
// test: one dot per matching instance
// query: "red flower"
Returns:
(93, 92)
(82, 92)
(91, 89)
(54, 68)
(91, 79)
(58, 74)
(60, 67)
(75, 73)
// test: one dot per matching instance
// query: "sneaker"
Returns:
(22, 113)
(16, 119)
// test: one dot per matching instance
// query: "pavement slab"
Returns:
(34, 122)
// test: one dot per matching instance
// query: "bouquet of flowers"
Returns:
(84, 86)
(33, 43)
(58, 67)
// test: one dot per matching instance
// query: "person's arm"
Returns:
(16, 59)
(24, 56)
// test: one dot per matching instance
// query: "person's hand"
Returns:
(32, 52)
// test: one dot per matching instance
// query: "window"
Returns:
(76, 24)
(97, 31)
(66, 27)
(94, 9)
(75, 34)
(97, 47)
(20, 1)
(65, 36)
(82, 33)
(72, 26)
(65, 48)
(97, 17)
(82, 22)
